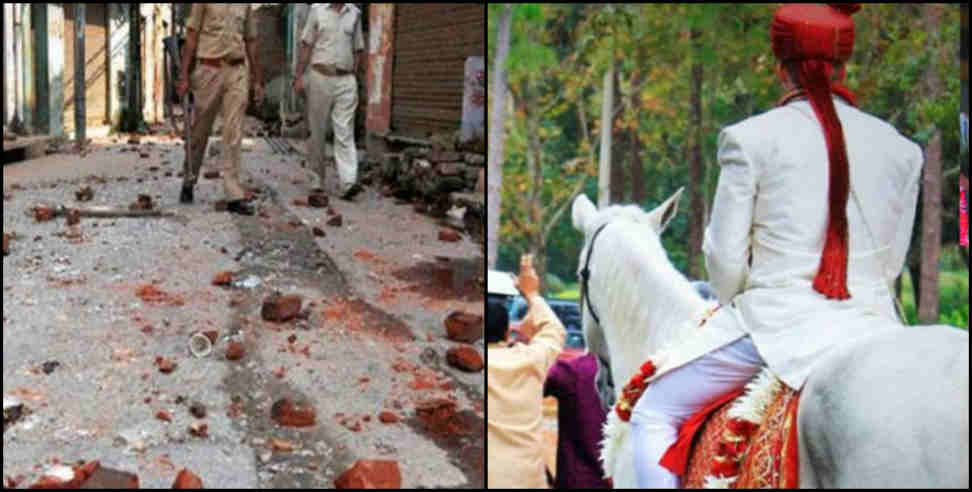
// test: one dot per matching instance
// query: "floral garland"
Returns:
(633, 390)
(638, 383)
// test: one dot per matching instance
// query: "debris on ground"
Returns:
(387, 417)
(211, 174)
(318, 232)
(290, 414)
(48, 367)
(371, 474)
(464, 327)
(281, 445)
(199, 429)
(465, 358)
(164, 416)
(73, 217)
(198, 410)
(144, 202)
(187, 480)
(335, 221)
(153, 295)
(166, 366)
(223, 278)
(43, 213)
(85, 194)
(6, 244)
(318, 200)
(281, 308)
(448, 235)
(235, 351)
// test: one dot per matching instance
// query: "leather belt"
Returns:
(221, 62)
(321, 69)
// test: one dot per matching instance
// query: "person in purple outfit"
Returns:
(580, 419)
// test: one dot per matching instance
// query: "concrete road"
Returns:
(376, 289)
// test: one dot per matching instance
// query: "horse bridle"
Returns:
(585, 274)
(604, 381)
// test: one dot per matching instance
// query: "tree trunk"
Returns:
(607, 125)
(619, 183)
(539, 253)
(636, 168)
(697, 173)
(931, 231)
(496, 133)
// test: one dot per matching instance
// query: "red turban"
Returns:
(812, 37)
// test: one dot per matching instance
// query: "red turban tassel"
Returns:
(831, 279)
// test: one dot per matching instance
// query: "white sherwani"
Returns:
(768, 225)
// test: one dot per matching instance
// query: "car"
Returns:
(568, 312)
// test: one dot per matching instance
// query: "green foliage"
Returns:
(554, 283)
(953, 299)
(560, 52)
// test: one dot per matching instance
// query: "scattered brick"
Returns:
(144, 202)
(371, 474)
(464, 327)
(73, 217)
(187, 480)
(300, 202)
(318, 200)
(235, 351)
(220, 205)
(211, 174)
(166, 366)
(281, 308)
(6, 244)
(43, 214)
(289, 414)
(163, 415)
(318, 232)
(387, 417)
(199, 429)
(212, 335)
(281, 445)
(448, 235)
(197, 410)
(335, 221)
(223, 278)
(465, 358)
(85, 194)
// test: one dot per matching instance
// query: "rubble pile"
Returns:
(371, 474)
(428, 175)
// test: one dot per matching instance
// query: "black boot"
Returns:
(352, 191)
(241, 207)
(186, 195)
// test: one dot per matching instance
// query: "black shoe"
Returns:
(352, 191)
(186, 195)
(241, 207)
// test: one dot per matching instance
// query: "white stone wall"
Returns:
(118, 58)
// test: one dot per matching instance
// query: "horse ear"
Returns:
(663, 214)
(581, 212)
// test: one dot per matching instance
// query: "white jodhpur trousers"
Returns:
(674, 397)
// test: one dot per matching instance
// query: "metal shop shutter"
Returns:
(432, 42)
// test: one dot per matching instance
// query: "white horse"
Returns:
(889, 411)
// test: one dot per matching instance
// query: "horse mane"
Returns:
(645, 316)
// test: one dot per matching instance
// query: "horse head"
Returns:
(631, 289)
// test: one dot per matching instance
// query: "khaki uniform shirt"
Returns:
(514, 383)
(222, 28)
(334, 36)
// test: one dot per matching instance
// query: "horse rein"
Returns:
(604, 382)
(586, 276)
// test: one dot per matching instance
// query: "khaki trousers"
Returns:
(333, 100)
(219, 88)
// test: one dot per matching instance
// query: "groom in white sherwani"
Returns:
(812, 219)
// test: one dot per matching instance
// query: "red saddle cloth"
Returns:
(764, 457)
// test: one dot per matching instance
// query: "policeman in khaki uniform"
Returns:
(331, 44)
(220, 81)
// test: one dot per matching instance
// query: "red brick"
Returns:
(464, 327)
(289, 414)
(43, 214)
(300, 202)
(465, 358)
(223, 278)
(199, 429)
(387, 417)
(6, 244)
(212, 335)
(163, 415)
(371, 474)
(187, 480)
(73, 217)
(165, 365)
(235, 351)
(448, 235)
(281, 308)
(318, 200)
